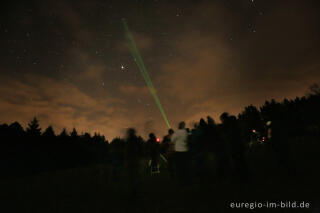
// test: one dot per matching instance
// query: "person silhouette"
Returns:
(133, 153)
(166, 145)
(167, 150)
(154, 153)
(181, 158)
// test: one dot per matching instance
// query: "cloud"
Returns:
(143, 42)
(137, 91)
(61, 104)
(212, 74)
(93, 72)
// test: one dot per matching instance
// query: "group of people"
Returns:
(131, 152)
(173, 150)
(208, 149)
(187, 154)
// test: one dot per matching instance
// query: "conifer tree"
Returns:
(33, 128)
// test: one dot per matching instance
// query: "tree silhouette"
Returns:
(16, 127)
(74, 134)
(49, 132)
(16, 132)
(33, 128)
(63, 135)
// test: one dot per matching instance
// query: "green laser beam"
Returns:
(137, 57)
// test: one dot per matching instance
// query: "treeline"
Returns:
(30, 151)
(278, 134)
(279, 137)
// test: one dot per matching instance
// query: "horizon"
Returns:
(189, 125)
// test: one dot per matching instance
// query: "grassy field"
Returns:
(91, 189)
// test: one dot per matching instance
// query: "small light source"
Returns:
(253, 130)
(158, 140)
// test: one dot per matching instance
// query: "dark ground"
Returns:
(91, 189)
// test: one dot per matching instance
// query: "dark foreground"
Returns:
(91, 189)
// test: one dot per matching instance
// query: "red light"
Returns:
(158, 140)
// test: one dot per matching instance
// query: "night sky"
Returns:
(69, 64)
